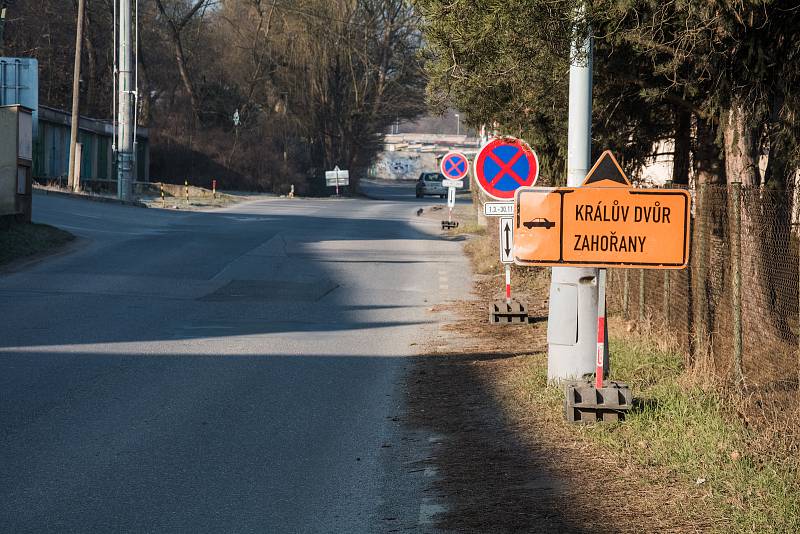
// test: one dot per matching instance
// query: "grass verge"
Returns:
(742, 473)
(696, 435)
(682, 432)
(22, 240)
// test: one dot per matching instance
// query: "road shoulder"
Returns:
(507, 461)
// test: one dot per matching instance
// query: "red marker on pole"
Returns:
(601, 329)
(508, 284)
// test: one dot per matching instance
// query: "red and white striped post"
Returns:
(508, 284)
(601, 328)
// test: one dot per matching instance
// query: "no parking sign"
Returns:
(504, 165)
(455, 166)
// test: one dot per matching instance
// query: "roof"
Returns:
(98, 126)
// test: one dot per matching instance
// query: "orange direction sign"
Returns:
(605, 223)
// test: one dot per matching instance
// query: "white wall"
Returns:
(404, 165)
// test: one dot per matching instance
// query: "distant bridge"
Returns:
(406, 155)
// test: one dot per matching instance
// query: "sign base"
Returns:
(502, 312)
(583, 403)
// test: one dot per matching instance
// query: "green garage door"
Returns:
(102, 158)
(87, 156)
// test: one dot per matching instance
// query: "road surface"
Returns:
(240, 370)
(404, 192)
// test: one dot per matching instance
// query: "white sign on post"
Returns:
(506, 239)
(451, 197)
(337, 177)
(452, 183)
(498, 209)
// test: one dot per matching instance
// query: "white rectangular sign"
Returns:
(452, 183)
(337, 177)
(451, 197)
(498, 209)
(506, 239)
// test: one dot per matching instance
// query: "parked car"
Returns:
(430, 183)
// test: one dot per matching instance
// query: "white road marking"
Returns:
(428, 511)
(443, 281)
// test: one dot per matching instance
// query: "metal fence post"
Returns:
(641, 296)
(700, 231)
(736, 268)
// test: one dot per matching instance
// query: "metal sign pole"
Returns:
(451, 195)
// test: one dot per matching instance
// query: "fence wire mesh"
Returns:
(736, 306)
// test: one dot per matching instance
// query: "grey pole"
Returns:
(572, 322)
(125, 155)
(76, 80)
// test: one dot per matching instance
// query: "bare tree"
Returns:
(177, 19)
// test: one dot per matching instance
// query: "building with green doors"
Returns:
(51, 151)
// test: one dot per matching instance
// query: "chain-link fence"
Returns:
(735, 309)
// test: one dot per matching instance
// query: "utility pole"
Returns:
(125, 115)
(76, 87)
(572, 323)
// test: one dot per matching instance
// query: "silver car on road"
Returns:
(430, 183)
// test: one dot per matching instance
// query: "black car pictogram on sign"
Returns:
(539, 223)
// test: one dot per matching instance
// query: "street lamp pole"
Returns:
(572, 317)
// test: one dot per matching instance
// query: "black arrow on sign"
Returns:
(507, 230)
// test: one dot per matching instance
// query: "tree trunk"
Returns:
(759, 219)
(683, 145)
(146, 99)
(740, 145)
(709, 234)
(180, 58)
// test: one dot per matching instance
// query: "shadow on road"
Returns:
(493, 479)
(201, 272)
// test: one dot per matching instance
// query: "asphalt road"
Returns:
(231, 371)
(404, 192)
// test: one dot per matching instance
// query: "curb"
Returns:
(94, 198)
